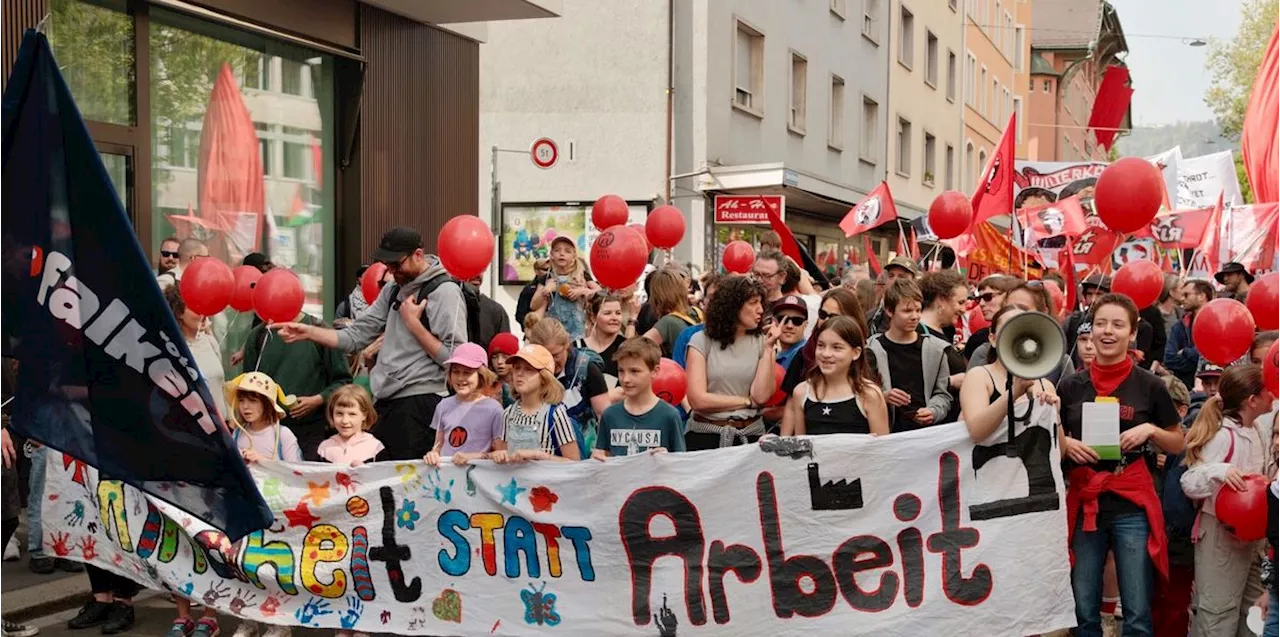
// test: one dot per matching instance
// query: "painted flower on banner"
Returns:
(407, 516)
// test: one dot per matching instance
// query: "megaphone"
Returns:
(1030, 345)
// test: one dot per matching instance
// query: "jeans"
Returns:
(1271, 623)
(35, 502)
(1126, 537)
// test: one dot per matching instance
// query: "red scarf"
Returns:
(1134, 484)
(1106, 378)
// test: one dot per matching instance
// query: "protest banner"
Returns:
(918, 533)
(1200, 179)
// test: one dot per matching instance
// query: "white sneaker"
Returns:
(247, 629)
(11, 551)
(278, 631)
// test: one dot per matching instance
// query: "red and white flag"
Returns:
(1064, 217)
(994, 195)
(874, 210)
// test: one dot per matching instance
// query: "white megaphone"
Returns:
(1030, 345)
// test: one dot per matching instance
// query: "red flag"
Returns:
(875, 209)
(994, 195)
(790, 246)
(1069, 270)
(1110, 105)
(1211, 248)
(1063, 217)
(872, 261)
(1094, 247)
(1180, 229)
(915, 246)
(1258, 136)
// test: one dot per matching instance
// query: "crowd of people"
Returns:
(415, 374)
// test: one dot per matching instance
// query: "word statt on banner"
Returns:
(922, 533)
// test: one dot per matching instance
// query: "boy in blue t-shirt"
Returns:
(641, 422)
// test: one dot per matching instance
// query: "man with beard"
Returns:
(1235, 280)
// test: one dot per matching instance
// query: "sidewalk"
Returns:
(26, 594)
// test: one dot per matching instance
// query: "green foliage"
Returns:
(1234, 64)
(1246, 191)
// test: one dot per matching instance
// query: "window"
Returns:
(1017, 112)
(749, 69)
(838, 8)
(1006, 36)
(903, 166)
(292, 81)
(1019, 44)
(982, 92)
(257, 73)
(979, 168)
(870, 117)
(968, 166)
(178, 145)
(951, 4)
(947, 177)
(1066, 143)
(997, 106)
(951, 76)
(870, 17)
(1047, 86)
(994, 32)
(835, 127)
(799, 76)
(94, 50)
(970, 76)
(931, 59)
(930, 159)
(906, 37)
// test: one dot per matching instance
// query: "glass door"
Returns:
(120, 166)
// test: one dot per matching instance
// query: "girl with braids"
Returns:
(839, 394)
(730, 368)
(1224, 446)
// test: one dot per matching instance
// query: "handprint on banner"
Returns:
(440, 491)
(313, 609)
(187, 589)
(271, 492)
(76, 516)
(417, 618)
(269, 606)
(93, 527)
(243, 599)
(385, 616)
(665, 620)
(217, 591)
(88, 547)
(58, 542)
(471, 483)
(345, 481)
(354, 610)
(408, 476)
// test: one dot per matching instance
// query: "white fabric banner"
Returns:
(1200, 179)
(921, 533)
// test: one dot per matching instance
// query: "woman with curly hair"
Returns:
(730, 368)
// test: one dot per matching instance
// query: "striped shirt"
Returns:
(529, 431)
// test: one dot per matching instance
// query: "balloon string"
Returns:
(266, 336)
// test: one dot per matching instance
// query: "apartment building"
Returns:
(996, 73)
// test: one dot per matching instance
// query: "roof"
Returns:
(1065, 24)
(1041, 66)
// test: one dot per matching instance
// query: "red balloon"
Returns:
(278, 296)
(1264, 301)
(1271, 369)
(739, 256)
(665, 227)
(1140, 280)
(639, 227)
(670, 382)
(950, 214)
(246, 277)
(1244, 513)
(206, 286)
(465, 246)
(778, 396)
(1128, 194)
(609, 211)
(1223, 331)
(618, 257)
(371, 282)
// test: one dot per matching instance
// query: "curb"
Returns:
(47, 598)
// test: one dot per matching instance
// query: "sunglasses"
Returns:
(166, 253)
(824, 315)
(793, 321)
(986, 297)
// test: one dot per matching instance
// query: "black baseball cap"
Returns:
(257, 260)
(396, 243)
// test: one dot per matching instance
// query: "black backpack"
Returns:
(470, 296)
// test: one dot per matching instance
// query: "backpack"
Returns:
(470, 296)
(575, 372)
(577, 433)
(1180, 511)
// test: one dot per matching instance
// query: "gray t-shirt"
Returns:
(730, 371)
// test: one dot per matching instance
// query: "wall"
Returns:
(19, 15)
(925, 106)
(988, 39)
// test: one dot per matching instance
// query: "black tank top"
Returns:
(995, 387)
(838, 417)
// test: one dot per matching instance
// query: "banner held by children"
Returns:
(893, 535)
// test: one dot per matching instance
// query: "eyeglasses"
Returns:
(793, 321)
(395, 267)
(764, 275)
(824, 315)
(986, 297)
(166, 253)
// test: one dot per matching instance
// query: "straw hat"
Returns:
(261, 384)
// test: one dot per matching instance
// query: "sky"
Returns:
(1169, 77)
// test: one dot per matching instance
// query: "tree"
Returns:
(1246, 191)
(1234, 64)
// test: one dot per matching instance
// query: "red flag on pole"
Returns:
(915, 246)
(1211, 249)
(1069, 270)
(1258, 142)
(1110, 105)
(994, 195)
(875, 209)
(872, 261)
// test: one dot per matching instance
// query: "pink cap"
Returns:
(468, 355)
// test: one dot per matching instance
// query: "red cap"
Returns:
(505, 342)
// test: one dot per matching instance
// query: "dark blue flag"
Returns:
(104, 374)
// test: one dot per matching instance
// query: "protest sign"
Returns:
(918, 533)
(1200, 179)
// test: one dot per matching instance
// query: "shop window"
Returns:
(93, 43)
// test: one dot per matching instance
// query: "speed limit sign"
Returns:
(544, 153)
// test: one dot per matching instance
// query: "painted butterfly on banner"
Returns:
(539, 607)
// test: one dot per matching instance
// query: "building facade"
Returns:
(362, 115)
(1073, 44)
(996, 68)
(926, 108)
(685, 102)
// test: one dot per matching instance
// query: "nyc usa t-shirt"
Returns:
(623, 433)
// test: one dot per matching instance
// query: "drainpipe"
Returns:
(671, 91)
